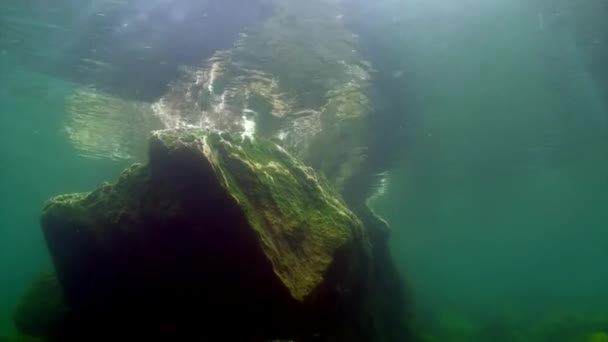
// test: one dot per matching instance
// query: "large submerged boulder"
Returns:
(218, 236)
(230, 236)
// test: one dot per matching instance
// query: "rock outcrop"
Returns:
(218, 237)
(230, 236)
(42, 310)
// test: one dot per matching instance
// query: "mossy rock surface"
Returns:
(299, 221)
(217, 232)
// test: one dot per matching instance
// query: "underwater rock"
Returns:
(42, 309)
(218, 236)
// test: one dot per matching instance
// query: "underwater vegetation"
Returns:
(516, 326)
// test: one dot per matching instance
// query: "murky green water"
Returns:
(37, 162)
(499, 203)
(495, 116)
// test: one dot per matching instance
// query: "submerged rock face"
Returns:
(217, 237)
(219, 228)
(42, 310)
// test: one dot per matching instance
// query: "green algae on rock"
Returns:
(217, 232)
(299, 220)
